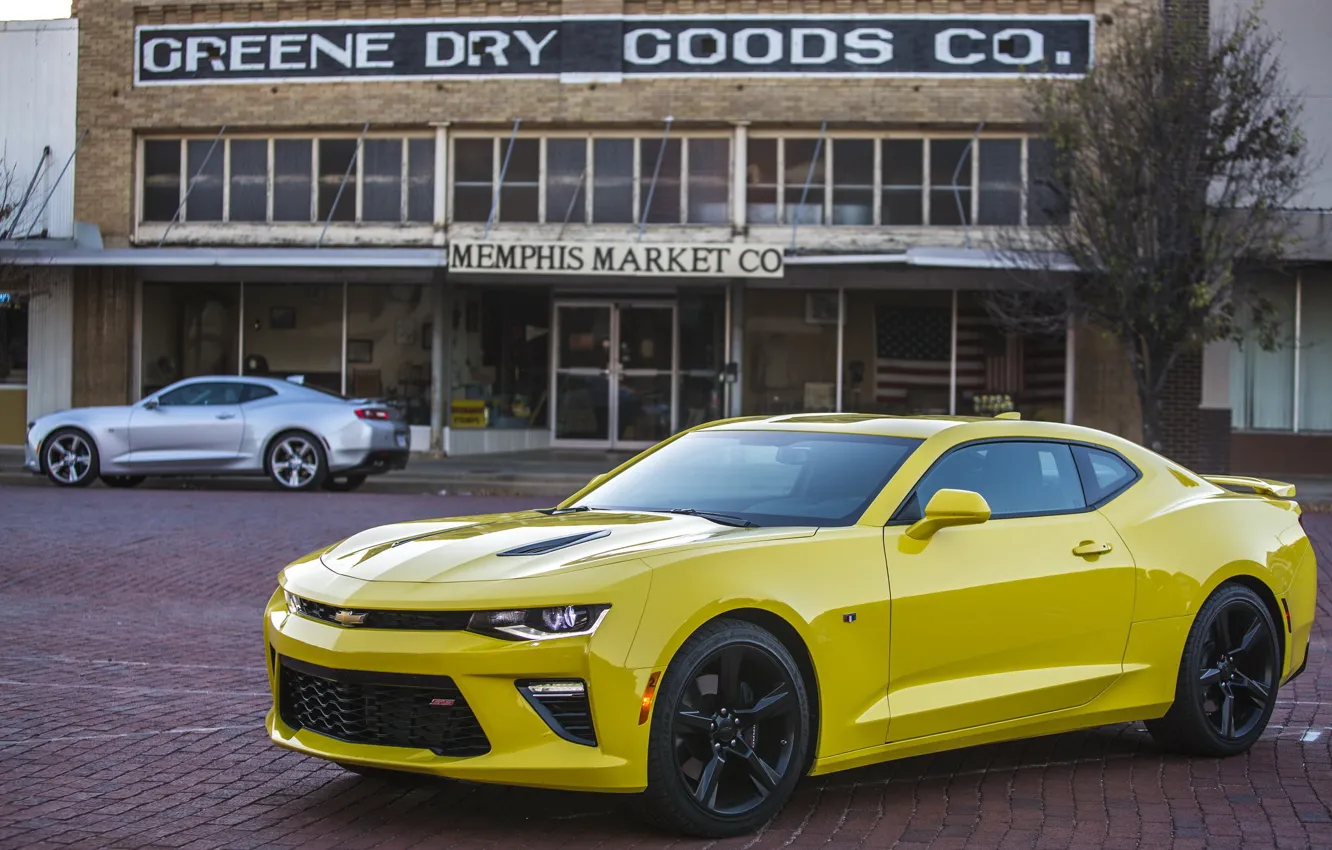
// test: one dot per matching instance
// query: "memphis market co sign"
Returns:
(615, 258)
(615, 47)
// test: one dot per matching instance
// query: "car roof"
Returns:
(917, 427)
(280, 385)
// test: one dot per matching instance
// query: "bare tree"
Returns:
(1172, 161)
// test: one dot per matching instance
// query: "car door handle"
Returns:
(1090, 549)
(226, 416)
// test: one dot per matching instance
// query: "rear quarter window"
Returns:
(1104, 474)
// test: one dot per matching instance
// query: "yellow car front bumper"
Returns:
(524, 748)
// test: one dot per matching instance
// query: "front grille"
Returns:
(444, 621)
(385, 709)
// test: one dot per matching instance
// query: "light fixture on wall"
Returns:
(257, 325)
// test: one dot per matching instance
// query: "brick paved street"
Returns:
(132, 696)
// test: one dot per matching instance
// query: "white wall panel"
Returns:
(50, 342)
(38, 83)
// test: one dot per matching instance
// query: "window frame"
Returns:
(897, 520)
(587, 189)
(224, 151)
(878, 138)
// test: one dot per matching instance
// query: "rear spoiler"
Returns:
(1261, 486)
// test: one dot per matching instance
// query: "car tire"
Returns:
(1228, 678)
(343, 483)
(295, 461)
(750, 754)
(70, 459)
(122, 482)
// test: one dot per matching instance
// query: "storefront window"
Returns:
(805, 176)
(205, 164)
(294, 329)
(950, 181)
(709, 181)
(897, 351)
(790, 351)
(1315, 353)
(161, 179)
(189, 330)
(1045, 200)
(853, 181)
(665, 208)
(337, 180)
(249, 180)
(761, 181)
(399, 179)
(473, 179)
(521, 192)
(903, 181)
(613, 185)
(566, 180)
(998, 372)
(1262, 383)
(382, 172)
(293, 163)
(1000, 182)
(13, 368)
(510, 368)
(702, 317)
(388, 346)
(13, 339)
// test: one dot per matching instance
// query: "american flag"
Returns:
(912, 348)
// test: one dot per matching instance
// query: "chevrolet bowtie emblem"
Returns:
(349, 618)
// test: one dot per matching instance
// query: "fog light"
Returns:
(557, 688)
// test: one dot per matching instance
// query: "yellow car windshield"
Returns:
(763, 477)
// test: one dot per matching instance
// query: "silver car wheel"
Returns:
(295, 462)
(69, 458)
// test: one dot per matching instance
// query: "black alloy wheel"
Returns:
(730, 733)
(1228, 678)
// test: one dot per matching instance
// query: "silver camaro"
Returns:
(299, 436)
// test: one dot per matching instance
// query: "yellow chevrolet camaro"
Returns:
(760, 599)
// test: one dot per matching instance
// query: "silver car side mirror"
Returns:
(150, 404)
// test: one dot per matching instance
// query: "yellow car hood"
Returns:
(481, 548)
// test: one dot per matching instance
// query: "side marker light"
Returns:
(649, 694)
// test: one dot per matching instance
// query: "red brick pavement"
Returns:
(132, 694)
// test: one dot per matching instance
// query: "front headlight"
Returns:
(539, 623)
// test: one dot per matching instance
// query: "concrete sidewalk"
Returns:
(550, 473)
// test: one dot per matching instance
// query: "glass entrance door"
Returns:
(614, 377)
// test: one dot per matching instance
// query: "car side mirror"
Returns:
(150, 404)
(947, 508)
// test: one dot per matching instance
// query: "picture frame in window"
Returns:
(360, 351)
(821, 308)
(282, 318)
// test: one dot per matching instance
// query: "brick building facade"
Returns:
(278, 188)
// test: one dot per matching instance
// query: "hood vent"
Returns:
(554, 544)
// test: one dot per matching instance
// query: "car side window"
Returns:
(1017, 478)
(192, 395)
(254, 392)
(1104, 474)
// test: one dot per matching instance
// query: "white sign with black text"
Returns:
(615, 258)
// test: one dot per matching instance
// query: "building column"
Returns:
(440, 339)
(1214, 407)
(735, 355)
(739, 176)
(441, 180)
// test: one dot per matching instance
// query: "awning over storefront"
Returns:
(86, 250)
